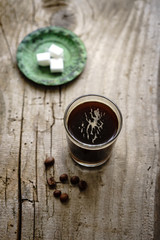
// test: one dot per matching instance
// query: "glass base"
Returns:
(87, 164)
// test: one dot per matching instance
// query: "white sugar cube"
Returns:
(55, 51)
(56, 65)
(43, 59)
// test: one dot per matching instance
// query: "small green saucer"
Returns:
(39, 41)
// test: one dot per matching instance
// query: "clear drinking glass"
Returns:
(92, 123)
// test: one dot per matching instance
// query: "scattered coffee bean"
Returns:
(82, 185)
(75, 180)
(57, 193)
(64, 197)
(49, 161)
(63, 178)
(51, 182)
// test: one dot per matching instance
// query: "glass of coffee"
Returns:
(92, 123)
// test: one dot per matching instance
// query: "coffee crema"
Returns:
(93, 123)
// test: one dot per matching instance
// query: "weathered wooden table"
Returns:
(122, 38)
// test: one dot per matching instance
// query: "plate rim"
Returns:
(57, 29)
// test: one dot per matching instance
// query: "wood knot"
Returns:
(64, 17)
(53, 3)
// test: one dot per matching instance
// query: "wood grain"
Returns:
(122, 200)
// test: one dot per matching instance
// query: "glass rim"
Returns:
(86, 145)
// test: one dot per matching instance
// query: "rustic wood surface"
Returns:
(122, 39)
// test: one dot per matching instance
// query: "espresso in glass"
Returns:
(92, 124)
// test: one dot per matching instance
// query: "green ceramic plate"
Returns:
(39, 41)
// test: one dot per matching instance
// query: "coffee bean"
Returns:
(49, 161)
(63, 178)
(82, 185)
(64, 197)
(57, 193)
(51, 182)
(75, 180)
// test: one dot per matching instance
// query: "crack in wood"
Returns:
(34, 220)
(51, 128)
(36, 147)
(47, 206)
(157, 186)
(27, 200)
(53, 117)
(19, 226)
(6, 188)
(35, 192)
